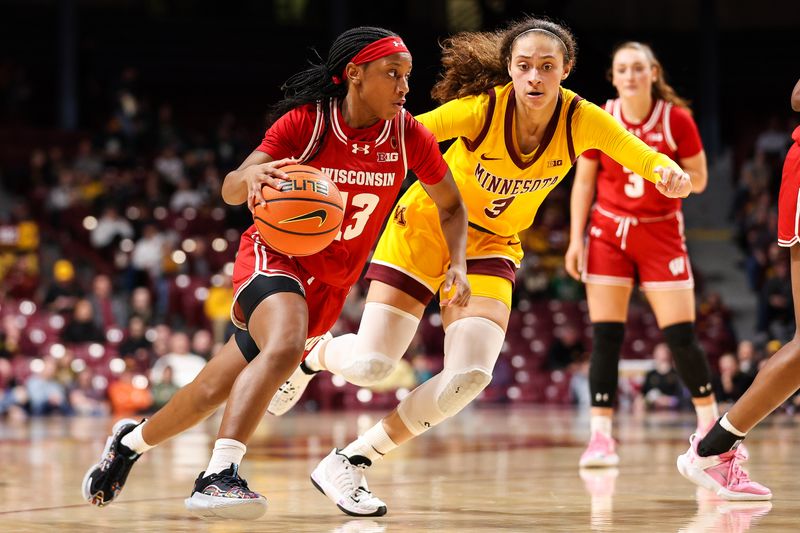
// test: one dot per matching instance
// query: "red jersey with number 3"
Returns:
(669, 130)
(367, 165)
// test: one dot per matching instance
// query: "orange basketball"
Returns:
(304, 215)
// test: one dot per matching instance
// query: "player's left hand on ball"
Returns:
(456, 287)
(674, 183)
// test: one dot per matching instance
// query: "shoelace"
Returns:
(232, 480)
(347, 483)
(736, 473)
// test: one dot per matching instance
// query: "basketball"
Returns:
(303, 216)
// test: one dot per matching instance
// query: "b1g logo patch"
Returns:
(388, 157)
(400, 215)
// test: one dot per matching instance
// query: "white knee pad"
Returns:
(371, 355)
(472, 346)
(368, 369)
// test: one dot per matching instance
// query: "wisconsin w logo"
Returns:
(321, 214)
(677, 266)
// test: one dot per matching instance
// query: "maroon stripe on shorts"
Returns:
(493, 266)
(399, 280)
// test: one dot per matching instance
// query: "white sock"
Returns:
(726, 424)
(706, 415)
(373, 444)
(226, 451)
(601, 424)
(135, 441)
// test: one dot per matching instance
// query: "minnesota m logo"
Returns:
(400, 215)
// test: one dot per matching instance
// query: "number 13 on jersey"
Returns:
(366, 203)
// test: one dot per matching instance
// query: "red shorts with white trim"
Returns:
(789, 199)
(620, 248)
(325, 302)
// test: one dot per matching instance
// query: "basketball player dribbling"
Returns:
(344, 116)
(635, 231)
(518, 133)
(714, 461)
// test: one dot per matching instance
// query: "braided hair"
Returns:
(315, 84)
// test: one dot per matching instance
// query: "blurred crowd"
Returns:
(116, 258)
(755, 213)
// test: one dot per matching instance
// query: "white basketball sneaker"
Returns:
(292, 390)
(341, 479)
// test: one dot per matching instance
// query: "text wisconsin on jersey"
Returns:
(360, 177)
(505, 186)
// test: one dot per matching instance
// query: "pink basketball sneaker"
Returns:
(600, 452)
(721, 474)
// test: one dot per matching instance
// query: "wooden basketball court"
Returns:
(512, 469)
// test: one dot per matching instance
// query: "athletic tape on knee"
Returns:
(472, 346)
(371, 355)
(604, 363)
(690, 360)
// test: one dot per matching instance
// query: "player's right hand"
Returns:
(573, 259)
(269, 174)
(456, 287)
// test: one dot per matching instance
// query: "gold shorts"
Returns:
(412, 254)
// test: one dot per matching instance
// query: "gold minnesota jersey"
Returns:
(502, 187)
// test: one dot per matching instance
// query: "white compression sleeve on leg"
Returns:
(371, 355)
(471, 348)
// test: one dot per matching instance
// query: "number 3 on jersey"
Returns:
(497, 207)
(366, 202)
(635, 186)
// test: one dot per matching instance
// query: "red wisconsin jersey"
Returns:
(668, 129)
(368, 166)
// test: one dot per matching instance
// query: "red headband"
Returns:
(375, 50)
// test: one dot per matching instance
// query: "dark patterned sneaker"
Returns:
(104, 481)
(225, 495)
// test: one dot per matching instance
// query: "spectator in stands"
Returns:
(746, 355)
(63, 195)
(662, 388)
(64, 291)
(148, 255)
(776, 311)
(202, 343)
(86, 160)
(85, 398)
(45, 394)
(141, 305)
(170, 165)
(108, 311)
(567, 349)
(185, 365)
(185, 196)
(110, 229)
(730, 383)
(126, 398)
(82, 327)
(217, 306)
(135, 349)
(163, 389)
(10, 337)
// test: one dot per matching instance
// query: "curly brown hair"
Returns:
(661, 89)
(477, 61)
